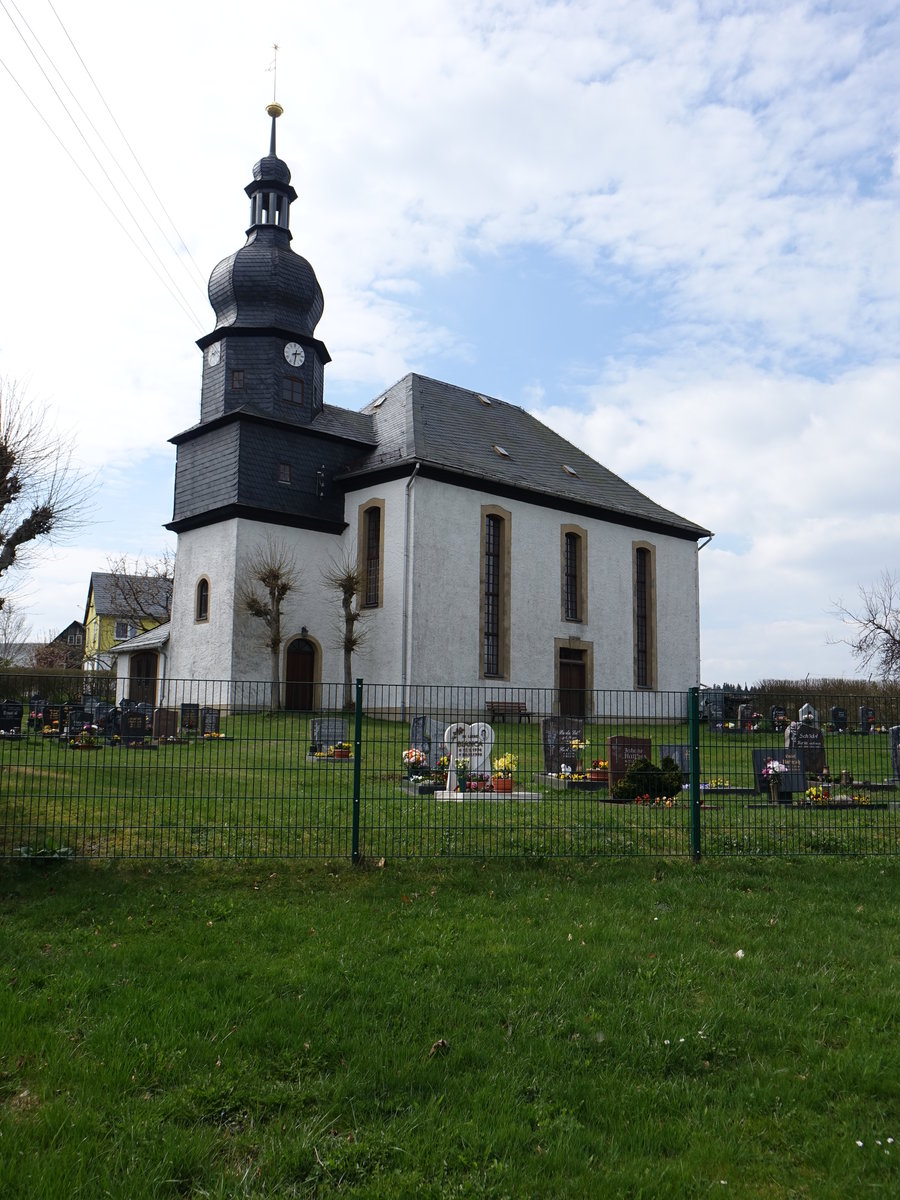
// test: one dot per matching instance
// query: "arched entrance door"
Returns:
(300, 675)
(142, 677)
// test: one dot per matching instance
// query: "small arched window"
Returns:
(201, 601)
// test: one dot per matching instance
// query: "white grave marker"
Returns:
(471, 742)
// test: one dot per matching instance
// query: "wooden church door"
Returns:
(300, 675)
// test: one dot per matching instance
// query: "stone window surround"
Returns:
(376, 502)
(503, 666)
(651, 630)
(576, 643)
(201, 601)
(582, 572)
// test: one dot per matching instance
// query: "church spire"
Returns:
(270, 192)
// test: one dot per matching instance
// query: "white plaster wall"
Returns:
(445, 618)
(203, 650)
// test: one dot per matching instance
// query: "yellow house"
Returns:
(120, 607)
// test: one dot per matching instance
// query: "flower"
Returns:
(773, 769)
(462, 764)
(505, 765)
(578, 744)
(413, 757)
(600, 764)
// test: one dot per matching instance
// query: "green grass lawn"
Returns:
(505, 1029)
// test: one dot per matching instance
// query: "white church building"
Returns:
(491, 551)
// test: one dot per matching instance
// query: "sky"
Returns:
(668, 230)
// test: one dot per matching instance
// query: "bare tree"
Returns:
(875, 637)
(41, 493)
(344, 576)
(14, 631)
(141, 593)
(271, 574)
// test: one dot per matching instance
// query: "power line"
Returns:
(182, 243)
(183, 300)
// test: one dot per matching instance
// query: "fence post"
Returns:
(694, 734)
(357, 769)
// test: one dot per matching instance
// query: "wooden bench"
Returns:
(499, 710)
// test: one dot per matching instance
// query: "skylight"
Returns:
(570, 470)
(378, 403)
(501, 452)
(484, 400)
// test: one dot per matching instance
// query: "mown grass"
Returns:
(256, 792)
(459, 1029)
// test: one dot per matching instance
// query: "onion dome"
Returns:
(265, 284)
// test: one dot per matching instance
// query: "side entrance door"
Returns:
(571, 683)
(300, 675)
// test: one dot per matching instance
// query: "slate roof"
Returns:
(453, 430)
(151, 640)
(102, 585)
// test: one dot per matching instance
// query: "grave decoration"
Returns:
(622, 752)
(564, 745)
(469, 757)
(787, 765)
(504, 768)
(190, 717)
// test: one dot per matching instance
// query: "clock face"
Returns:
(214, 353)
(294, 354)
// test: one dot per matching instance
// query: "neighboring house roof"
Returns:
(153, 639)
(20, 654)
(451, 431)
(108, 603)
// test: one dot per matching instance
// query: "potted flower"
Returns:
(340, 750)
(85, 739)
(413, 759)
(599, 772)
(503, 772)
(578, 746)
(462, 774)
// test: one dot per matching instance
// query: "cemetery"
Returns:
(194, 779)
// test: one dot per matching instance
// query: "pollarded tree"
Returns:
(271, 574)
(344, 577)
(41, 493)
(875, 637)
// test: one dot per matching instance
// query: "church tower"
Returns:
(264, 447)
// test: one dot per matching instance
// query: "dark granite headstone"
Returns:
(11, 717)
(839, 719)
(190, 716)
(778, 717)
(165, 723)
(209, 720)
(622, 751)
(325, 732)
(866, 719)
(133, 726)
(808, 741)
(682, 756)
(76, 719)
(793, 778)
(714, 709)
(558, 738)
(36, 712)
(426, 735)
(745, 717)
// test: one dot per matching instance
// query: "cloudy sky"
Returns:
(669, 230)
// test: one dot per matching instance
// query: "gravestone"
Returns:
(793, 778)
(472, 743)
(560, 737)
(808, 741)
(894, 734)
(866, 719)
(839, 719)
(105, 716)
(325, 732)
(11, 717)
(190, 716)
(133, 725)
(622, 751)
(808, 715)
(36, 712)
(714, 709)
(165, 723)
(745, 717)
(778, 717)
(682, 756)
(425, 735)
(209, 720)
(76, 719)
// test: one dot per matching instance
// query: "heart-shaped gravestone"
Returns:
(471, 744)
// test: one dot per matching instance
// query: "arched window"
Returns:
(201, 600)
(644, 582)
(574, 573)
(495, 604)
(370, 534)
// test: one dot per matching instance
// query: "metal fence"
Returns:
(404, 772)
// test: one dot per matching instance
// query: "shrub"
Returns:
(644, 778)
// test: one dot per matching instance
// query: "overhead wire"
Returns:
(172, 285)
